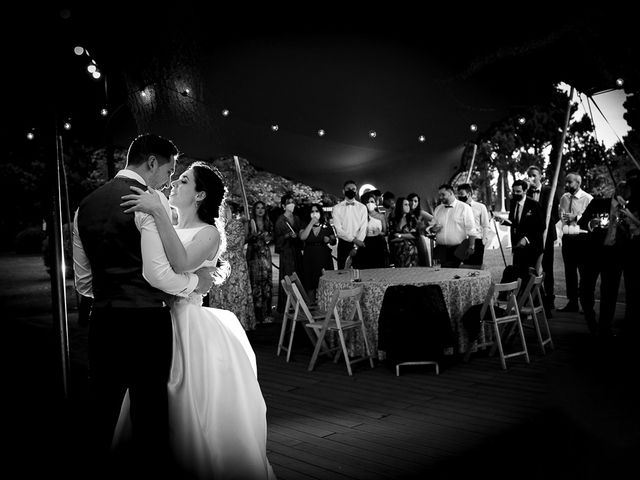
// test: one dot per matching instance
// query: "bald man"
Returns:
(572, 205)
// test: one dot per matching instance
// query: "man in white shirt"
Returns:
(572, 205)
(481, 219)
(350, 219)
(453, 224)
(120, 262)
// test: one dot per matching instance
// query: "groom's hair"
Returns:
(151, 144)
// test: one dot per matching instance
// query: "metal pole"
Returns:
(473, 157)
(58, 286)
(244, 193)
(556, 172)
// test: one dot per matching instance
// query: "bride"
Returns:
(217, 413)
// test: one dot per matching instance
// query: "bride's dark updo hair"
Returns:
(208, 180)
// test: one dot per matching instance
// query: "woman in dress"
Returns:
(402, 235)
(375, 251)
(235, 294)
(259, 261)
(217, 413)
(317, 237)
(423, 218)
(288, 245)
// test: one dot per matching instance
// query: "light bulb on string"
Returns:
(372, 134)
(321, 133)
(274, 128)
(78, 50)
(67, 125)
(422, 138)
(473, 127)
(104, 111)
(30, 135)
(96, 75)
(620, 82)
(91, 68)
(225, 112)
(522, 120)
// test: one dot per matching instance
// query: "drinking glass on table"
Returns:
(435, 263)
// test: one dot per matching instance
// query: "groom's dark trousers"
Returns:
(130, 332)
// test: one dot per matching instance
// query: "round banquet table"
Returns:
(461, 288)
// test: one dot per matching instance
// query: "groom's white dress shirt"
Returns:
(155, 266)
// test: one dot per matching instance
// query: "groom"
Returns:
(120, 262)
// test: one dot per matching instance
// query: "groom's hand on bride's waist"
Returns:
(205, 279)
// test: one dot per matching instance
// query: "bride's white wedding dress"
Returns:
(217, 414)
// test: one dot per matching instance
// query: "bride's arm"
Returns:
(205, 242)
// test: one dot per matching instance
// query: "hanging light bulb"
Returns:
(620, 82)
(91, 68)
(104, 112)
(372, 134)
(422, 138)
(522, 120)
(473, 127)
(274, 128)
(225, 112)
(96, 74)
(67, 125)
(78, 50)
(321, 133)
(30, 135)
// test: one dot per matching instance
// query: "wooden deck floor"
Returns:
(570, 414)
(567, 414)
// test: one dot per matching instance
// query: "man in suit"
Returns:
(527, 226)
(542, 194)
(119, 261)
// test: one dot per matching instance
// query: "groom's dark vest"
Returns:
(111, 242)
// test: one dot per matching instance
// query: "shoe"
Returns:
(570, 307)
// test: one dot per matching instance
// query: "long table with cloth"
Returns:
(460, 287)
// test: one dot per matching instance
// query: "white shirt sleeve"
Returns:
(156, 268)
(81, 266)
(485, 225)
(337, 223)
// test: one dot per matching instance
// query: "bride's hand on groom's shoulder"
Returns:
(142, 201)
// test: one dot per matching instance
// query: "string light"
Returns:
(78, 50)
(473, 127)
(104, 111)
(321, 133)
(372, 134)
(620, 82)
(522, 120)
(422, 138)
(225, 112)
(67, 125)
(30, 135)
(274, 128)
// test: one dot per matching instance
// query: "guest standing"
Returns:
(288, 245)
(235, 294)
(403, 231)
(375, 251)
(572, 204)
(350, 222)
(452, 223)
(317, 238)
(481, 220)
(259, 261)
(423, 218)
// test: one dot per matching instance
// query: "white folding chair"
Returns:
(295, 311)
(532, 309)
(499, 322)
(333, 322)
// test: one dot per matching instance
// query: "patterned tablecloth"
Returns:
(461, 288)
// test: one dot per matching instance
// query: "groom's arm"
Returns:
(81, 266)
(155, 266)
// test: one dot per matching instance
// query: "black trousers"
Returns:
(446, 255)
(571, 253)
(478, 254)
(344, 248)
(131, 348)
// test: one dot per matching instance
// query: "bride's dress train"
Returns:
(217, 414)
